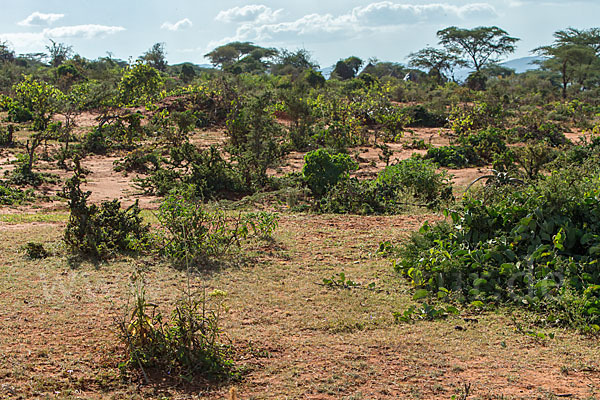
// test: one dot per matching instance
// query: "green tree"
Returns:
(439, 63)
(6, 53)
(241, 57)
(348, 68)
(187, 73)
(59, 53)
(479, 46)
(156, 57)
(140, 83)
(293, 63)
(573, 62)
(43, 100)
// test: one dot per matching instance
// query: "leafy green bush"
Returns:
(101, 231)
(453, 156)
(323, 170)
(418, 177)
(486, 144)
(193, 235)
(10, 196)
(421, 117)
(6, 135)
(35, 250)
(536, 246)
(206, 170)
(412, 182)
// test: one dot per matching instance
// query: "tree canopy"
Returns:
(479, 46)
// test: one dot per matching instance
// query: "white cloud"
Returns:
(257, 13)
(88, 31)
(384, 16)
(39, 19)
(36, 41)
(184, 23)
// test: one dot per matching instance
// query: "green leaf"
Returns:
(420, 294)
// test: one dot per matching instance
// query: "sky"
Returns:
(329, 29)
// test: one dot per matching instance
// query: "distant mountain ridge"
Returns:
(522, 64)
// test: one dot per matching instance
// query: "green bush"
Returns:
(193, 235)
(101, 231)
(10, 196)
(323, 170)
(453, 156)
(418, 177)
(421, 117)
(536, 246)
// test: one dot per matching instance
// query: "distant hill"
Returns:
(523, 64)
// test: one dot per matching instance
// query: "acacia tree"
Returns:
(440, 63)
(240, 57)
(574, 55)
(43, 100)
(479, 46)
(6, 53)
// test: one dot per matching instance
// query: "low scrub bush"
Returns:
(10, 196)
(536, 246)
(101, 231)
(412, 182)
(323, 170)
(193, 235)
(419, 116)
(185, 346)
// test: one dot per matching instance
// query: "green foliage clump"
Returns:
(412, 182)
(35, 250)
(452, 156)
(10, 196)
(536, 246)
(419, 177)
(140, 84)
(193, 235)
(101, 231)
(323, 170)
(206, 170)
(422, 117)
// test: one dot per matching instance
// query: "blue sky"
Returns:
(330, 30)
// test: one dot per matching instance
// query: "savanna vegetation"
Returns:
(259, 228)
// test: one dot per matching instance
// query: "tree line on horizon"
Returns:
(572, 59)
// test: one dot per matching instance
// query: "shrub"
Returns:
(206, 170)
(453, 156)
(323, 170)
(421, 117)
(11, 196)
(187, 346)
(35, 250)
(101, 231)
(536, 246)
(419, 177)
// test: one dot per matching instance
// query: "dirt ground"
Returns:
(294, 338)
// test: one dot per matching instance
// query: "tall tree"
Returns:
(574, 55)
(293, 63)
(439, 63)
(156, 57)
(59, 53)
(6, 53)
(238, 57)
(479, 46)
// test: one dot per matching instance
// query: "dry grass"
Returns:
(295, 338)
